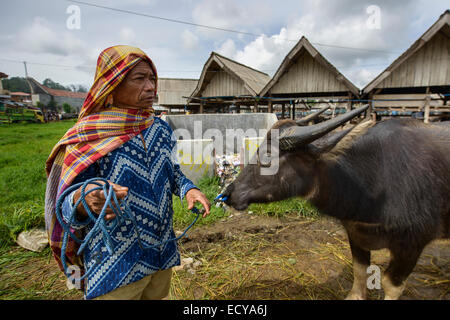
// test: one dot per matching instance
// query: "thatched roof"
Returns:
(300, 48)
(442, 26)
(252, 80)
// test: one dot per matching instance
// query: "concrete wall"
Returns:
(196, 158)
(227, 130)
(202, 136)
(249, 148)
(45, 100)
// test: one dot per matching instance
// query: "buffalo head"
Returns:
(287, 162)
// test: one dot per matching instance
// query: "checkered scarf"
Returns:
(99, 130)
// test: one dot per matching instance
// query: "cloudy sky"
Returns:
(346, 32)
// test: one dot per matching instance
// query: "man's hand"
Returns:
(195, 195)
(96, 199)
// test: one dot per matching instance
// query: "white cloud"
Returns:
(229, 14)
(328, 27)
(41, 37)
(228, 48)
(189, 41)
(127, 36)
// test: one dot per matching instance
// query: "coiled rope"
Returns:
(120, 209)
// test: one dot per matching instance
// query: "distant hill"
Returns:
(14, 84)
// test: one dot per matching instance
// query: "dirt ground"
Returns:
(247, 256)
(294, 258)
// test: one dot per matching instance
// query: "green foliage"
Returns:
(71, 87)
(40, 105)
(52, 104)
(15, 84)
(25, 216)
(67, 107)
(183, 217)
(53, 85)
(288, 206)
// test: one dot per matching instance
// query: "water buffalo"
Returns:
(387, 182)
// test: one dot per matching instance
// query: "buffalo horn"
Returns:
(304, 121)
(297, 135)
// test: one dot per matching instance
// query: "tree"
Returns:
(40, 105)
(67, 107)
(52, 104)
(15, 84)
(82, 88)
(54, 85)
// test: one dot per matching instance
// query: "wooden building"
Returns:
(419, 79)
(226, 85)
(173, 93)
(48, 96)
(305, 77)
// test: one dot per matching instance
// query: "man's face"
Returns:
(137, 90)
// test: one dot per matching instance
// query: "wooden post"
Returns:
(293, 111)
(426, 114)
(283, 110)
(256, 107)
(269, 107)
(374, 117)
(370, 109)
(201, 107)
(349, 103)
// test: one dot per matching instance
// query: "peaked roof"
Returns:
(443, 23)
(292, 56)
(39, 88)
(253, 80)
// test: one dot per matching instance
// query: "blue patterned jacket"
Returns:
(145, 165)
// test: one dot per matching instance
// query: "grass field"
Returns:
(24, 148)
(273, 253)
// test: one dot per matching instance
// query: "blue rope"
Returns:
(121, 210)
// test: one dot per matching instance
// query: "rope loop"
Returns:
(121, 210)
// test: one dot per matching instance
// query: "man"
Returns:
(118, 139)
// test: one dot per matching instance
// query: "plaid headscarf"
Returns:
(99, 130)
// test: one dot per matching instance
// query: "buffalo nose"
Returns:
(229, 189)
(227, 193)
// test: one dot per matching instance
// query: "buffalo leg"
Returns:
(400, 267)
(361, 261)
